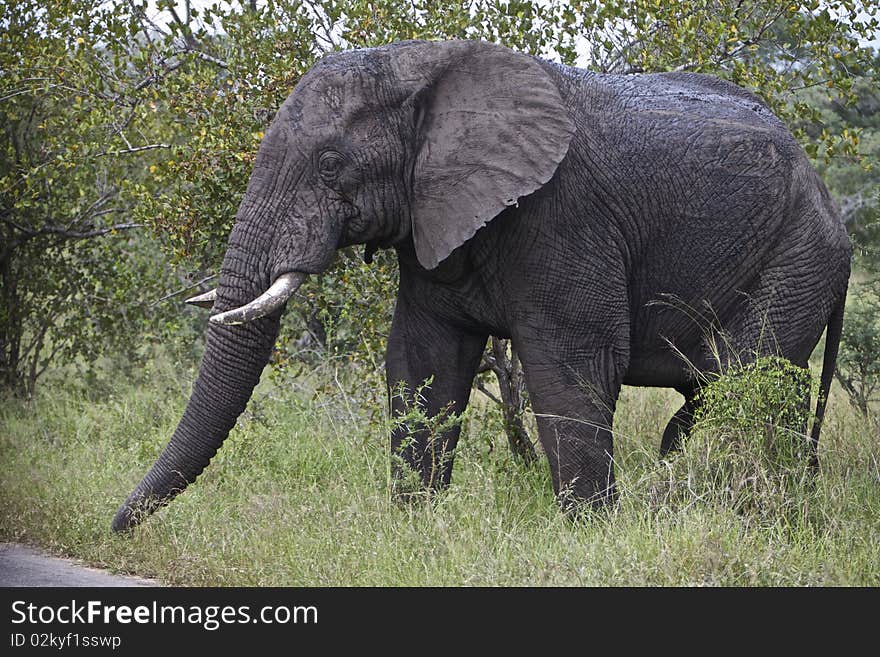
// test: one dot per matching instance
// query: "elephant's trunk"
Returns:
(231, 366)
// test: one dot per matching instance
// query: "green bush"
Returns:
(749, 450)
(858, 365)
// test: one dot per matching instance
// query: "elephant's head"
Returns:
(419, 140)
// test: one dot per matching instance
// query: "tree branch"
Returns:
(486, 392)
(324, 23)
(136, 149)
(206, 57)
(183, 289)
(97, 232)
(70, 234)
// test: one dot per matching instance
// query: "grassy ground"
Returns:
(299, 496)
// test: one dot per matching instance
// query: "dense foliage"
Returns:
(77, 276)
(122, 115)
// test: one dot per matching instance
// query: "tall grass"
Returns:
(298, 495)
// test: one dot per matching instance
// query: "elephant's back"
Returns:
(715, 195)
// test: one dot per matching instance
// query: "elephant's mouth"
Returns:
(279, 292)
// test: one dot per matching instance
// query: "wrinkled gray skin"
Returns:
(611, 226)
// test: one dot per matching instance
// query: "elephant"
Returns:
(619, 229)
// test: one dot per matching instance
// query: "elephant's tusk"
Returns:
(205, 300)
(272, 299)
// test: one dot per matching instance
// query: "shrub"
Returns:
(749, 450)
(858, 365)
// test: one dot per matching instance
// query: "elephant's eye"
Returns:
(329, 165)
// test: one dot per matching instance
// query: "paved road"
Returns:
(26, 566)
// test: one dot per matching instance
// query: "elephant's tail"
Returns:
(829, 363)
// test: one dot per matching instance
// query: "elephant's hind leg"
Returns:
(680, 424)
(573, 397)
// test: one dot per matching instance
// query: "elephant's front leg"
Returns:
(430, 366)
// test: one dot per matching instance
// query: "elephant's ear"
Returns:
(493, 128)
